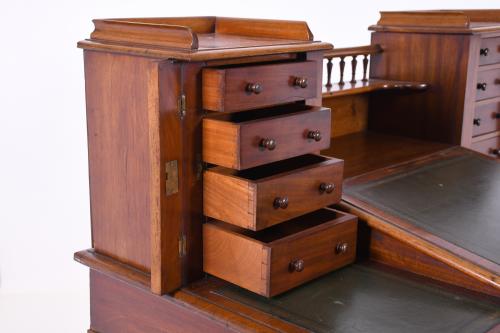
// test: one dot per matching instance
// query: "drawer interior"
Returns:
(280, 232)
(276, 168)
(264, 113)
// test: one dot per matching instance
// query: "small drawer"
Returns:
(486, 117)
(488, 84)
(248, 139)
(489, 52)
(243, 88)
(274, 260)
(263, 196)
(490, 146)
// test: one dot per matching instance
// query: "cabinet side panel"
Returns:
(437, 59)
(117, 93)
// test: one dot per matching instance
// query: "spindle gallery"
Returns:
(233, 190)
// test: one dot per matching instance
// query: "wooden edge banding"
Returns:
(281, 29)
(203, 55)
(351, 51)
(114, 268)
(165, 35)
(440, 254)
(360, 87)
(155, 180)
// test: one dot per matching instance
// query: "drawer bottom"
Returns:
(490, 146)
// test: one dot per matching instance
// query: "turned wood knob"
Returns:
(497, 115)
(341, 248)
(296, 265)
(484, 52)
(481, 86)
(326, 187)
(268, 144)
(300, 82)
(255, 88)
(477, 121)
(316, 135)
(280, 202)
(496, 152)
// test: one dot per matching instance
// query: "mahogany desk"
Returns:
(212, 212)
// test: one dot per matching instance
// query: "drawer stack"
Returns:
(486, 122)
(265, 189)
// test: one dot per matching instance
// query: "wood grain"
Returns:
(235, 258)
(224, 89)
(435, 114)
(349, 114)
(396, 253)
(260, 261)
(234, 141)
(367, 151)
(117, 307)
(246, 198)
(119, 94)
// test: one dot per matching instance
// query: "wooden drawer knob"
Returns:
(484, 52)
(280, 202)
(300, 82)
(326, 187)
(254, 88)
(497, 115)
(315, 135)
(496, 152)
(268, 144)
(477, 121)
(481, 86)
(341, 248)
(296, 265)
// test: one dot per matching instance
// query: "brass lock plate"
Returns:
(171, 177)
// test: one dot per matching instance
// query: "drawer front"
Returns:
(277, 259)
(489, 52)
(258, 204)
(302, 193)
(314, 253)
(486, 118)
(490, 147)
(245, 88)
(253, 143)
(488, 84)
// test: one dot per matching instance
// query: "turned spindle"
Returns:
(354, 63)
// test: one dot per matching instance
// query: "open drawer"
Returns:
(263, 196)
(238, 88)
(276, 259)
(248, 139)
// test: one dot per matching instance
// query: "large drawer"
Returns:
(486, 117)
(490, 146)
(248, 139)
(260, 197)
(250, 87)
(490, 51)
(276, 259)
(488, 83)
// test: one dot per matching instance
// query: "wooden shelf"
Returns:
(368, 151)
(360, 87)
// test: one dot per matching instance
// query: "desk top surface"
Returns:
(364, 298)
(452, 195)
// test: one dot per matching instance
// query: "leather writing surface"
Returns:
(457, 199)
(361, 298)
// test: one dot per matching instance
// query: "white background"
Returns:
(44, 200)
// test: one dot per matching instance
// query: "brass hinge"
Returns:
(182, 245)
(171, 177)
(181, 103)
